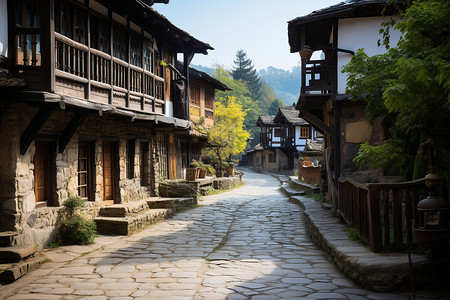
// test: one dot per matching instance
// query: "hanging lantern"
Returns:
(306, 53)
(433, 212)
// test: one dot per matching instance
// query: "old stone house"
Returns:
(95, 111)
(326, 39)
(282, 138)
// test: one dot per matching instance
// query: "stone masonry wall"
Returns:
(18, 209)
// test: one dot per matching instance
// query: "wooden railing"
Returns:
(73, 60)
(317, 77)
(382, 213)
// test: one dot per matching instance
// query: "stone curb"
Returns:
(380, 272)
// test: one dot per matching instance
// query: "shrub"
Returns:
(77, 231)
(74, 229)
(72, 204)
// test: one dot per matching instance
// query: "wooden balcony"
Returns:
(317, 77)
(85, 73)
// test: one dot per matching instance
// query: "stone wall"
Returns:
(18, 211)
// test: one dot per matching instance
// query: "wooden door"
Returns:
(42, 183)
(108, 174)
(172, 157)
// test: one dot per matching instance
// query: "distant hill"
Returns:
(286, 84)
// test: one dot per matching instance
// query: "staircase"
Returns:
(16, 261)
(129, 218)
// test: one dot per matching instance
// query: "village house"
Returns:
(326, 39)
(381, 210)
(282, 139)
(92, 105)
(201, 108)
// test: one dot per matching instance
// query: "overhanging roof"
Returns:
(202, 76)
(318, 24)
(159, 26)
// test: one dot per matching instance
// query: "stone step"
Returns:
(124, 209)
(299, 185)
(7, 238)
(130, 224)
(12, 272)
(291, 191)
(176, 204)
(16, 253)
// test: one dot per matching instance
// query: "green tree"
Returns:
(227, 136)
(409, 85)
(275, 105)
(240, 92)
(244, 70)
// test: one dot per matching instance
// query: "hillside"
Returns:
(286, 84)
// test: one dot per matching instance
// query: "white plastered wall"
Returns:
(358, 33)
(3, 28)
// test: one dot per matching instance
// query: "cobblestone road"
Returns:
(248, 243)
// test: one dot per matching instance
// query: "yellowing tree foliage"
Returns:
(227, 136)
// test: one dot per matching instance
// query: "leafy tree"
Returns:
(245, 71)
(240, 92)
(227, 136)
(409, 86)
(276, 104)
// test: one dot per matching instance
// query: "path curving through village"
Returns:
(247, 243)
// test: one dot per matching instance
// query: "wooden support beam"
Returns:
(33, 128)
(70, 130)
(308, 116)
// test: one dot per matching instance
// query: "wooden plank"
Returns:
(397, 207)
(375, 234)
(33, 128)
(408, 214)
(387, 233)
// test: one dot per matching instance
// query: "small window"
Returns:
(272, 158)
(304, 132)
(148, 56)
(195, 95)
(135, 50)
(277, 132)
(209, 99)
(120, 42)
(99, 34)
(86, 179)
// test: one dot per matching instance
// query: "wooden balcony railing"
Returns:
(382, 213)
(317, 77)
(112, 79)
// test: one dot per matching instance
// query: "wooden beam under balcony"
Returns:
(70, 130)
(308, 116)
(33, 128)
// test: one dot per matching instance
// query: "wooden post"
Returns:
(375, 235)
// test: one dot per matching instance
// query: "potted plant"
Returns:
(192, 172)
(230, 169)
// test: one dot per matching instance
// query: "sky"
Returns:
(259, 27)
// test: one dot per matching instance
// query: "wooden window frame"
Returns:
(209, 100)
(90, 170)
(49, 173)
(277, 132)
(305, 132)
(272, 158)
(194, 95)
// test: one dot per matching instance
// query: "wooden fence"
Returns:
(382, 213)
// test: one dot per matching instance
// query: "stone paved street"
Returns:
(247, 243)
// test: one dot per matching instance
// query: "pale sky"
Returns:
(259, 27)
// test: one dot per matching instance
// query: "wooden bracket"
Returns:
(308, 116)
(70, 130)
(33, 128)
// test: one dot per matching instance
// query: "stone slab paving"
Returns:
(247, 243)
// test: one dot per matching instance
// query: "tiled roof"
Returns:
(266, 120)
(341, 7)
(291, 116)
